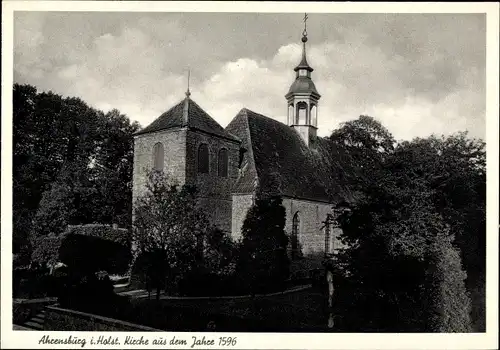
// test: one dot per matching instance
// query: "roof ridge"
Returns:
(185, 110)
(250, 145)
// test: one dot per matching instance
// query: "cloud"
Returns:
(417, 74)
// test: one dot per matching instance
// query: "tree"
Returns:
(55, 211)
(399, 257)
(454, 168)
(113, 168)
(63, 146)
(360, 146)
(411, 198)
(169, 230)
(264, 261)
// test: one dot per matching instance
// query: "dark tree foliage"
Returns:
(67, 153)
(454, 169)
(402, 269)
(173, 236)
(360, 146)
(264, 262)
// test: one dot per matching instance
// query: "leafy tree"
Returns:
(402, 271)
(453, 168)
(63, 145)
(399, 259)
(113, 168)
(56, 210)
(360, 146)
(169, 230)
(263, 258)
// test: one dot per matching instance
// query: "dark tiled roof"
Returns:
(281, 163)
(187, 113)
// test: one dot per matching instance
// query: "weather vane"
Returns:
(304, 33)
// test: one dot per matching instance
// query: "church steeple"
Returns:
(302, 98)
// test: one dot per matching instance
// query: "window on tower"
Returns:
(222, 163)
(301, 113)
(290, 114)
(314, 115)
(158, 156)
(203, 158)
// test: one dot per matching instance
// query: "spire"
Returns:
(303, 63)
(302, 97)
(188, 93)
(185, 110)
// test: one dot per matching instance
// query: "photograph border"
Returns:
(489, 339)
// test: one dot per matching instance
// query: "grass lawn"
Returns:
(299, 311)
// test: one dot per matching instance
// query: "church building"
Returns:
(253, 154)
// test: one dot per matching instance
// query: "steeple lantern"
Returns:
(302, 98)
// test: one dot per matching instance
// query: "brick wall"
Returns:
(241, 204)
(218, 211)
(311, 236)
(174, 144)
(214, 191)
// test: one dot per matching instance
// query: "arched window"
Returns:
(158, 156)
(301, 113)
(203, 159)
(314, 115)
(295, 236)
(222, 163)
(329, 239)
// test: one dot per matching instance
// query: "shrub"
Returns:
(263, 257)
(46, 250)
(92, 293)
(85, 254)
(106, 232)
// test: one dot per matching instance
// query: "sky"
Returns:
(418, 74)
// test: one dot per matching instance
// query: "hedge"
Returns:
(107, 232)
(87, 254)
(99, 240)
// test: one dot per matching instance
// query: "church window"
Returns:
(222, 163)
(329, 239)
(290, 114)
(203, 158)
(158, 156)
(295, 236)
(301, 113)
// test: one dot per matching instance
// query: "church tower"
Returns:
(302, 98)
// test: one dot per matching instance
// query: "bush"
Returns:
(35, 283)
(92, 293)
(263, 259)
(46, 250)
(106, 232)
(88, 254)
